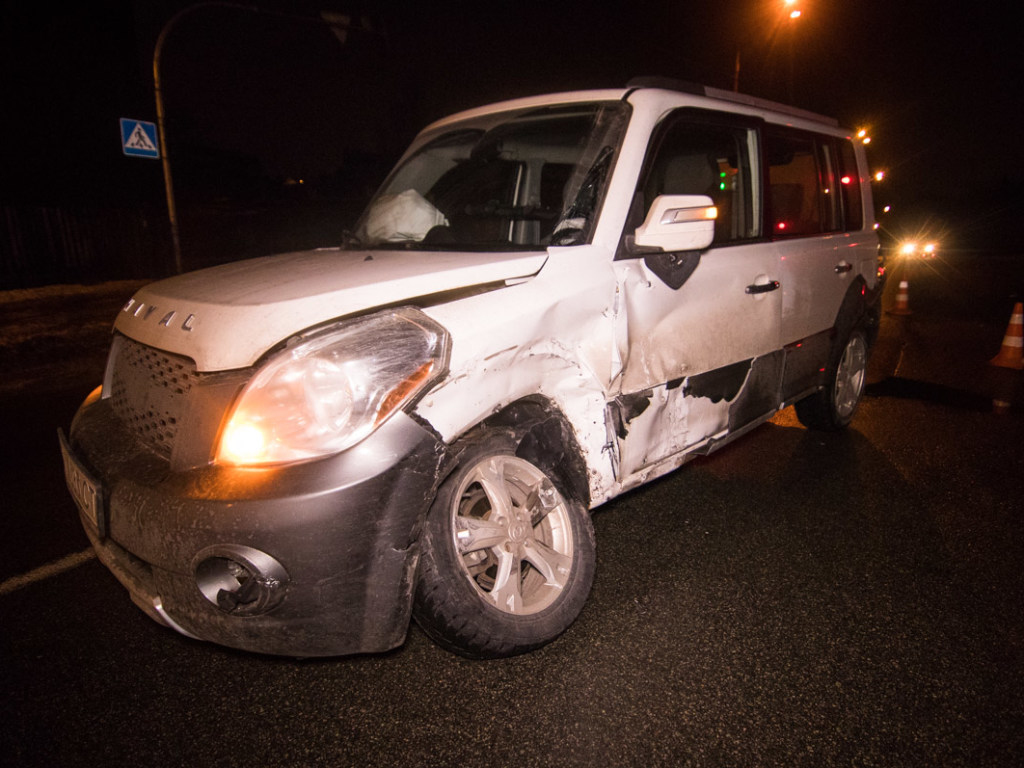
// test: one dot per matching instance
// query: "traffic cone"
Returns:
(1011, 354)
(902, 302)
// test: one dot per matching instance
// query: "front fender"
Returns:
(468, 398)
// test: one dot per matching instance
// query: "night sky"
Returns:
(263, 98)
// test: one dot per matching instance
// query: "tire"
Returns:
(832, 408)
(507, 560)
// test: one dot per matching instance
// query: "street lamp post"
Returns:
(172, 211)
(341, 25)
(792, 13)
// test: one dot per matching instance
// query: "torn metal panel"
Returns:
(683, 416)
(761, 391)
(555, 339)
(625, 408)
(670, 422)
(720, 384)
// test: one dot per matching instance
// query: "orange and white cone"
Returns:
(1011, 354)
(902, 300)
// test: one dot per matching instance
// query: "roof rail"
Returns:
(666, 83)
(683, 86)
(774, 106)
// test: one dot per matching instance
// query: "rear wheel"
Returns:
(507, 559)
(833, 407)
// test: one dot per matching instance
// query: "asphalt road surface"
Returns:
(847, 599)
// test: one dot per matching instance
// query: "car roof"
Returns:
(705, 96)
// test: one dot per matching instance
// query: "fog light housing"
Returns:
(241, 581)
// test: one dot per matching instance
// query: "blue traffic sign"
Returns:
(138, 138)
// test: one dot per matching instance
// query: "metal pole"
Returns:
(335, 21)
(172, 211)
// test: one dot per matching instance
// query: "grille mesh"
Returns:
(149, 392)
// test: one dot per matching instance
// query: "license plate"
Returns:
(86, 491)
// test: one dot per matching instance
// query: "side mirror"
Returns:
(678, 223)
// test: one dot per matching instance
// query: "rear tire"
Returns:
(507, 560)
(833, 407)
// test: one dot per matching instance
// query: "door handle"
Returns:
(843, 267)
(765, 288)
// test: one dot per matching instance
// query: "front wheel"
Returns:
(833, 407)
(507, 560)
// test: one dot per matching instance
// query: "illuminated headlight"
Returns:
(328, 390)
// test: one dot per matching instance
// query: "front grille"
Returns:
(150, 392)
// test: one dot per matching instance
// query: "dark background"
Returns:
(794, 599)
(278, 130)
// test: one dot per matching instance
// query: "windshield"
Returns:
(508, 181)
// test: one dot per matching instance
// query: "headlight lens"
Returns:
(330, 389)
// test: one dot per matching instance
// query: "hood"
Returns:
(226, 317)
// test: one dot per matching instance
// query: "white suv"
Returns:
(550, 301)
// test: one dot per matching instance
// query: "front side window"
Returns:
(703, 154)
(520, 180)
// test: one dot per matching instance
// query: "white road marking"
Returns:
(43, 572)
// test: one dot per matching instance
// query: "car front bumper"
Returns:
(310, 559)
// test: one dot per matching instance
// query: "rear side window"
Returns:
(795, 205)
(813, 184)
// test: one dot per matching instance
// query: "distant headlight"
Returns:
(327, 391)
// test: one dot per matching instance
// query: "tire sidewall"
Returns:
(819, 411)
(450, 608)
(838, 419)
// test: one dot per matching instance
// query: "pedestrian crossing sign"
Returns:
(138, 138)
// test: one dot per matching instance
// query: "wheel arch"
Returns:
(859, 309)
(542, 435)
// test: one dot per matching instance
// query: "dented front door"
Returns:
(702, 328)
(702, 358)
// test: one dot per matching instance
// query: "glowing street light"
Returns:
(792, 13)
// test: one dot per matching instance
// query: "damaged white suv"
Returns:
(550, 301)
